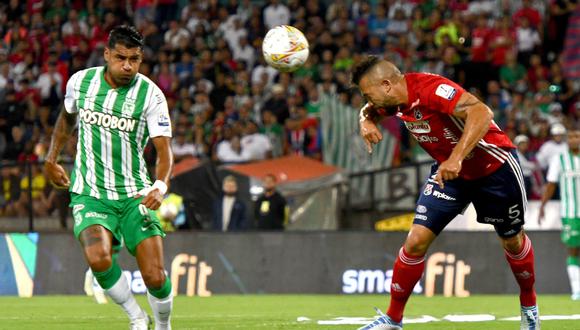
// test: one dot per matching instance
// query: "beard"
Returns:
(388, 111)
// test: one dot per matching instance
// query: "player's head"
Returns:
(230, 185)
(380, 82)
(123, 54)
(270, 182)
(574, 140)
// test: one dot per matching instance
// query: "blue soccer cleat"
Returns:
(530, 318)
(384, 322)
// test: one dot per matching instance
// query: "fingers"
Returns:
(151, 201)
(439, 180)
(369, 146)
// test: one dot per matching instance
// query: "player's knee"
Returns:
(154, 278)
(100, 260)
(416, 246)
(513, 244)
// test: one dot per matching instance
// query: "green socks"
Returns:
(109, 277)
(163, 291)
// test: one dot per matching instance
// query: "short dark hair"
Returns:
(125, 35)
(363, 67)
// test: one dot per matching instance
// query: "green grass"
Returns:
(273, 311)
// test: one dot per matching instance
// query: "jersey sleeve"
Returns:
(158, 121)
(554, 169)
(442, 94)
(70, 104)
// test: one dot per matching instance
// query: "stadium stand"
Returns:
(205, 56)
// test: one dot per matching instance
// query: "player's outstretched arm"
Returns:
(63, 129)
(477, 118)
(163, 167)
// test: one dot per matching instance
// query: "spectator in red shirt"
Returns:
(530, 13)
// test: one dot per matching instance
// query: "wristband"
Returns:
(161, 186)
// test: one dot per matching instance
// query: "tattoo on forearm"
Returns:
(65, 124)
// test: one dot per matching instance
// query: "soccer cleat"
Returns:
(530, 318)
(142, 323)
(576, 296)
(383, 322)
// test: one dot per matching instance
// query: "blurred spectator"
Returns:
(229, 212)
(183, 147)
(271, 210)
(255, 145)
(528, 39)
(276, 13)
(552, 147)
(231, 151)
(528, 166)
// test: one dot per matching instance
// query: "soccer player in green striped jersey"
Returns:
(118, 110)
(564, 169)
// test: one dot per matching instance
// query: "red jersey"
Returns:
(428, 116)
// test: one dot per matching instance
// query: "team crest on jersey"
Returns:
(128, 107)
(428, 190)
(418, 114)
(446, 91)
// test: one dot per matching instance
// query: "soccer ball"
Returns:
(285, 48)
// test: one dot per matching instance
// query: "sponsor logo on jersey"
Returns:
(421, 127)
(445, 91)
(425, 138)
(442, 195)
(449, 135)
(163, 119)
(421, 217)
(107, 120)
(95, 215)
(428, 189)
(492, 220)
(421, 209)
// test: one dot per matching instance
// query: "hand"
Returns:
(370, 134)
(541, 215)
(57, 175)
(153, 198)
(448, 170)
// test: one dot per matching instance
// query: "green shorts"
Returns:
(571, 232)
(128, 220)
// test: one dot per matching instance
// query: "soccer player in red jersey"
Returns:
(475, 163)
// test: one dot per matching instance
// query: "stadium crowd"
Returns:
(229, 106)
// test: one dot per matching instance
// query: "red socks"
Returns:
(522, 265)
(406, 273)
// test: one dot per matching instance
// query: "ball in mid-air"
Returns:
(285, 48)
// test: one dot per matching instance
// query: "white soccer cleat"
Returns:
(530, 318)
(142, 323)
(383, 322)
(575, 296)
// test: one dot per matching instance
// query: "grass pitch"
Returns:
(275, 312)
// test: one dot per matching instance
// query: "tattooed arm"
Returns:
(477, 117)
(63, 129)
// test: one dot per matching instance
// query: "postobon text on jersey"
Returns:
(107, 120)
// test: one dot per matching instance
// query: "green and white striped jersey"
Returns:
(114, 127)
(565, 169)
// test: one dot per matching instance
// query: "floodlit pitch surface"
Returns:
(281, 312)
